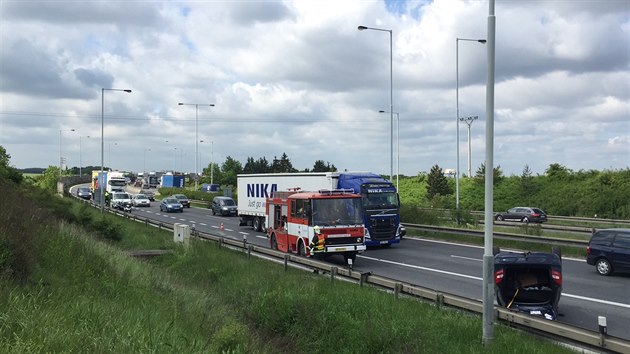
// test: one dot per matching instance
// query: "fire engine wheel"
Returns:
(301, 249)
(274, 242)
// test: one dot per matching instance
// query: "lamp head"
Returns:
(482, 41)
(127, 90)
(382, 112)
(362, 28)
(180, 104)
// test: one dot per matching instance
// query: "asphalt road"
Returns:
(451, 268)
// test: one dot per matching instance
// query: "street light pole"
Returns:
(397, 145)
(469, 121)
(482, 41)
(391, 97)
(196, 134)
(100, 177)
(212, 162)
(60, 154)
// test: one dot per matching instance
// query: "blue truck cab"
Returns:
(381, 206)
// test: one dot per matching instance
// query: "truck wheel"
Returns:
(257, 224)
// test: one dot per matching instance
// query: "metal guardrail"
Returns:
(559, 331)
(501, 235)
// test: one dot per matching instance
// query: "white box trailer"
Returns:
(253, 189)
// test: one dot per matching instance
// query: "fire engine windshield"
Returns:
(385, 200)
(328, 212)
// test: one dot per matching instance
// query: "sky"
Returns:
(297, 77)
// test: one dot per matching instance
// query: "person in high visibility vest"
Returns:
(317, 243)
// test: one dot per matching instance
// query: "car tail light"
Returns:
(588, 249)
(556, 276)
(498, 276)
(535, 214)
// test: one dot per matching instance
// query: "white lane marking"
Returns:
(605, 302)
(214, 226)
(423, 268)
(243, 233)
(149, 211)
(482, 247)
(466, 258)
(203, 224)
(228, 229)
(263, 237)
(182, 219)
(600, 301)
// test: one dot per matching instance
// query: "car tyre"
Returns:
(603, 266)
(556, 250)
(525, 220)
(499, 218)
(257, 224)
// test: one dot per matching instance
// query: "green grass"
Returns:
(84, 294)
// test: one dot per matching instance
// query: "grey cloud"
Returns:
(128, 13)
(94, 77)
(247, 12)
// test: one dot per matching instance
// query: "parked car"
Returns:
(141, 200)
(523, 214)
(121, 201)
(149, 193)
(224, 206)
(529, 282)
(609, 251)
(171, 204)
(182, 199)
(84, 193)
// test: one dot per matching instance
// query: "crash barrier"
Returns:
(553, 329)
(501, 235)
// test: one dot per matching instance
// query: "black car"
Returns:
(183, 200)
(224, 206)
(84, 193)
(523, 214)
(609, 251)
(529, 282)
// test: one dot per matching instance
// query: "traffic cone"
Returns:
(222, 228)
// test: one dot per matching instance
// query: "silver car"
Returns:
(141, 200)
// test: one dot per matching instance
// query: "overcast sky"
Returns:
(297, 77)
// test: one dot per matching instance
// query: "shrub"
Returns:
(108, 230)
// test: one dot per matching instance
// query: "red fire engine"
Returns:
(316, 223)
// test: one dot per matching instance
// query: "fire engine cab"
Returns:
(318, 223)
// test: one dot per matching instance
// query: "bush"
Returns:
(108, 230)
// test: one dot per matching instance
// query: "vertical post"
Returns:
(100, 175)
(60, 157)
(488, 284)
(212, 162)
(391, 107)
(457, 125)
(80, 158)
(196, 143)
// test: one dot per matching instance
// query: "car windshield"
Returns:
(84, 189)
(180, 196)
(226, 202)
(116, 183)
(171, 201)
(121, 196)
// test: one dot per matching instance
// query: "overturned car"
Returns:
(529, 282)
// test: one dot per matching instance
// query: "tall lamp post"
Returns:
(457, 105)
(60, 154)
(196, 134)
(397, 145)
(81, 156)
(469, 121)
(391, 96)
(110, 154)
(100, 178)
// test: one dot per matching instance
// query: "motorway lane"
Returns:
(448, 267)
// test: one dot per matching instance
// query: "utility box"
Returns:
(181, 234)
